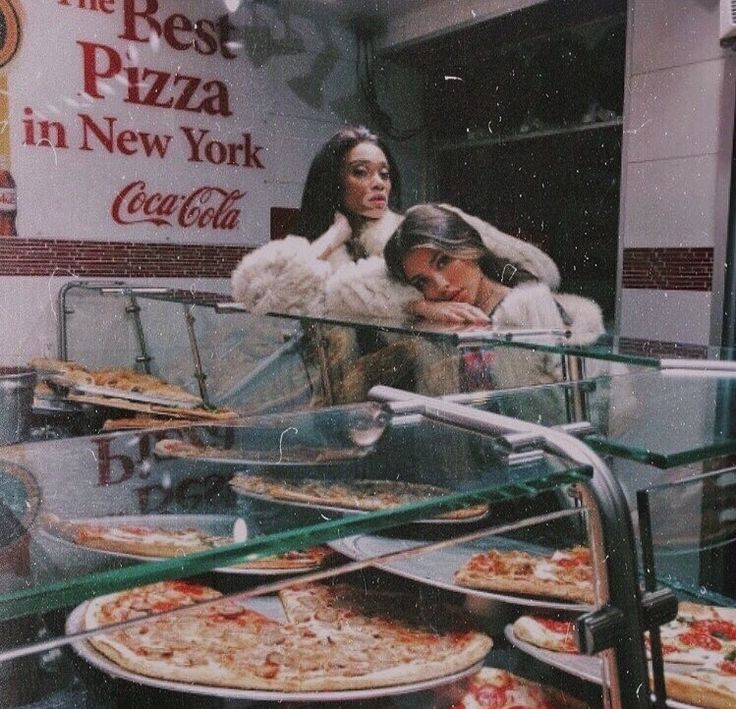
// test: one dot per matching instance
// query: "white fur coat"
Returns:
(285, 276)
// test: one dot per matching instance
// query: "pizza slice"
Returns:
(61, 372)
(711, 686)
(699, 635)
(494, 688)
(547, 633)
(128, 380)
(563, 574)
(387, 629)
(157, 542)
(698, 647)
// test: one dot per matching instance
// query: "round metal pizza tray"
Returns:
(269, 606)
(437, 567)
(583, 666)
(220, 525)
(346, 511)
(586, 667)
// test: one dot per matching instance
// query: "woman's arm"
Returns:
(338, 234)
(447, 311)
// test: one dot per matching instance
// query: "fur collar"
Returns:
(376, 232)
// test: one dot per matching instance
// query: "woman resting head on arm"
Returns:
(344, 216)
(466, 275)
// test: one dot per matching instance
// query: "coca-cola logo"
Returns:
(204, 207)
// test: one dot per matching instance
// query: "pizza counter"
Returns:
(458, 507)
(389, 611)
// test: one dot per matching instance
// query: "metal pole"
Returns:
(612, 543)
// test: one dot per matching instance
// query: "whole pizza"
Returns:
(333, 638)
(698, 647)
(365, 495)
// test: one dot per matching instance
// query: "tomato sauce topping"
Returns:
(721, 629)
(703, 640)
(564, 627)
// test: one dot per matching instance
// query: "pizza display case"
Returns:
(508, 473)
(600, 457)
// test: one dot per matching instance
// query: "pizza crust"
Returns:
(700, 692)
(518, 572)
(532, 631)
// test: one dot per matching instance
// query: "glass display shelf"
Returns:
(257, 364)
(53, 489)
(125, 312)
(664, 418)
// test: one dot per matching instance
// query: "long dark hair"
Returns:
(322, 195)
(442, 229)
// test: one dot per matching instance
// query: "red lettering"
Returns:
(178, 31)
(153, 87)
(212, 151)
(205, 42)
(127, 140)
(204, 207)
(92, 72)
(155, 144)
(178, 23)
(105, 461)
(150, 8)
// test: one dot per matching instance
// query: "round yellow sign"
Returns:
(9, 31)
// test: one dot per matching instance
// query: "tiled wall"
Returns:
(669, 268)
(100, 259)
(678, 130)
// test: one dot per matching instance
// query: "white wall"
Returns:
(678, 131)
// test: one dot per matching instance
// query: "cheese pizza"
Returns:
(698, 647)
(344, 642)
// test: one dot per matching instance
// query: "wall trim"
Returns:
(118, 259)
(668, 268)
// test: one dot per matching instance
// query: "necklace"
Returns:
(493, 294)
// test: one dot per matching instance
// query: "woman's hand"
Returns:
(338, 234)
(448, 311)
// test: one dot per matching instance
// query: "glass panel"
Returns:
(99, 329)
(663, 418)
(415, 586)
(54, 491)
(693, 534)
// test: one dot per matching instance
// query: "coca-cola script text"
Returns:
(204, 207)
